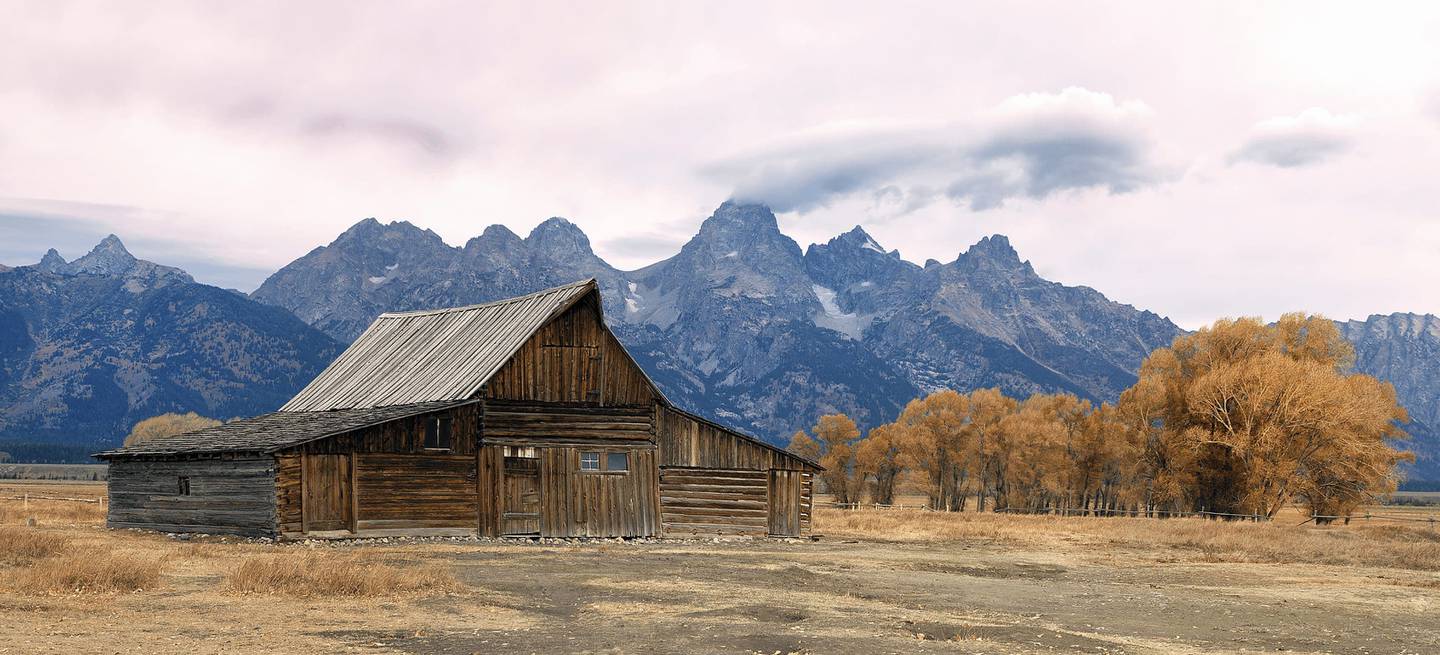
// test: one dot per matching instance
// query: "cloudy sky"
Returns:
(1198, 159)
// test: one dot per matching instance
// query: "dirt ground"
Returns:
(840, 594)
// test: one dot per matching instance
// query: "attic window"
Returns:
(437, 433)
(183, 485)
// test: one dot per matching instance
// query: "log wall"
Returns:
(409, 493)
(710, 501)
(230, 495)
(526, 422)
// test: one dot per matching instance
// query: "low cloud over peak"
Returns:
(1310, 137)
(1029, 146)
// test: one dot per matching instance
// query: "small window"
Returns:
(184, 485)
(590, 461)
(437, 433)
(523, 452)
(617, 462)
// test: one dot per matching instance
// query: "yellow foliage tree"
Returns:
(165, 425)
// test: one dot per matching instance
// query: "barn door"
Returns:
(521, 510)
(785, 503)
(327, 500)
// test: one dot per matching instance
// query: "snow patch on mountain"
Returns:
(833, 318)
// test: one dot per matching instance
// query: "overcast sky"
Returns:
(1198, 159)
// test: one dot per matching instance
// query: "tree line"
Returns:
(1240, 417)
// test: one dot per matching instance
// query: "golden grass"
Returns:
(50, 512)
(1416, 548)
(87, 571)
(336, 574)
(19, 546)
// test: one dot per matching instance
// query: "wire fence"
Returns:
(1432, 521)
(26, 498)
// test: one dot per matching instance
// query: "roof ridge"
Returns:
(493, 303)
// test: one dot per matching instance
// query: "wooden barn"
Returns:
(519, 417)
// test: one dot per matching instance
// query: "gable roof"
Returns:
(268, 433)
(432, 356)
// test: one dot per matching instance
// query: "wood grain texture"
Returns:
(229, 496)
(573, 359)
(713, 501)
(405, 435)
(575, 503)
(401, 490)
(687, 441)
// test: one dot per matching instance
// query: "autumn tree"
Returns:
(1261, 415)
(833, 446)
(934, 442)
(165, 425)
(994, 447)
(877, 460)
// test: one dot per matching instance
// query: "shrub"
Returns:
(20, 546)
(88, 571)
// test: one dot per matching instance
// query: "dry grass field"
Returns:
(878, 581)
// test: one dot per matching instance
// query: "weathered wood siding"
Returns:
(711, 501)
(406, 435)
(395, 484)
(684, 441)
(785, 502)
(287, 493)
(573, 359)
(231, 496)
(490, 475)
(807, 500)
(404, 492)
(529, 422)
(576, 503)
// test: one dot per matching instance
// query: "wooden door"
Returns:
(785, 503)
(521, 510)
(327, 499)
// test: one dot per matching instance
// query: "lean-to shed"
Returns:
(519, 417)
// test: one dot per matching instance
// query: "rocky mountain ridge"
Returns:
(89, 347)
(749, 328)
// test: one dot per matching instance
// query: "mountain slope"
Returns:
(88, 348)
(1404, 350)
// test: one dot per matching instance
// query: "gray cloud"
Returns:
(1313, 136)
(74, 228)
(1030, 146)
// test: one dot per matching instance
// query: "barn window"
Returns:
(437, 433)
(589, 461)
(617, 462)
(523, 452)
(183, 486)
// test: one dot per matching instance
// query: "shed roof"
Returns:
(429, 356)
(268, 433)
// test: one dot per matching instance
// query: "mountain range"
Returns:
(89, 347)
(741, 324)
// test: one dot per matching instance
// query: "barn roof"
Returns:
(268, 433)
(430, 356)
